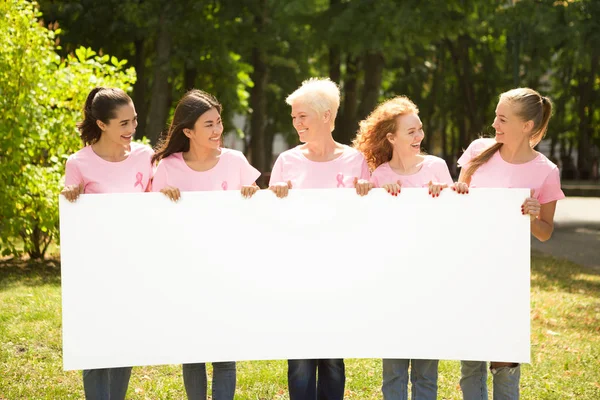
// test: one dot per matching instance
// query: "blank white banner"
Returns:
(319, 274)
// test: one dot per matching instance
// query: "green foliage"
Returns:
(41, 96)
(452, 57)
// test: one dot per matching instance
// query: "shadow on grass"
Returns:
(29, 273)
(553, 274)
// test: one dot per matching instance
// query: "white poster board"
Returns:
(319, 274)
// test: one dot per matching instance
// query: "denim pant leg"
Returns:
(423, 376)
(223, 387)
(119, 382)
(473, 380)
(395, 379)
(302, 379)
(194, 381)
(332, 379)
(106, 383)
(506, 382)
(96, 384)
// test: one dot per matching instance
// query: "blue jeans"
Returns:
(194, 380)
(303, 384)
(423, 376)
(474, 376)
(106, 383)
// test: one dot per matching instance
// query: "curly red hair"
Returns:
(371, 139)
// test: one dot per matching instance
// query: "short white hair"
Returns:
(320, 94)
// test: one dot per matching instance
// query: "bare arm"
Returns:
(461, 177)
(543, 226)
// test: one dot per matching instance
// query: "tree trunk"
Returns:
(469, 120)
(431, 105)
(335, 54)
(140, 87)
(269, 136)
(443, 126)
(335, 61)
(258, 97)
(189, 78)
(454, 149)
(374, 63)
(586, 112)
(159, 103)
(516, 39)
(346, 123)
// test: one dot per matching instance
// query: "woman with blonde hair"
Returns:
(390, 139)
(510, 161)
(319, 163)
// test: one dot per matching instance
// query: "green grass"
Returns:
(565, 311)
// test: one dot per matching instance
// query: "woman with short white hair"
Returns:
(318, 163)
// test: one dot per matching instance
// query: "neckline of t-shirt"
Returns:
(346, 147)
(516, 165)
(131, 145)
(413, 174)
(223, 151)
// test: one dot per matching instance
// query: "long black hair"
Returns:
(191, 106)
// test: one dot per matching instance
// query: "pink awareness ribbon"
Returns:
(340, 180)
(224, 185)
(138, 180)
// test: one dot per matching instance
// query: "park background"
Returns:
(452, 57)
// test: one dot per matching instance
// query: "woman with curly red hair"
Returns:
(390, 139)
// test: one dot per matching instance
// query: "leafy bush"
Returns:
(41, 97)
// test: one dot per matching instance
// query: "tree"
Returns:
(42, 97)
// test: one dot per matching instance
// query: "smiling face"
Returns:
(308, 123)
(409, 134)
(121, 128)
(207, 130)
(510, 127)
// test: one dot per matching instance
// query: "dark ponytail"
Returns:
(100, 105)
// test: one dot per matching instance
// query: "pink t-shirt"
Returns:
(539, 174)
(292, 165)
(100, 176)
(231, 173)
(433, 169)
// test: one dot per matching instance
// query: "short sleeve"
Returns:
(375, 179)
(277, 172)
(466, 157)
(248, 174)
(73, 175)
(159, 180)
(550, 190)
(364, 170)
(475, 148)
(442, 173)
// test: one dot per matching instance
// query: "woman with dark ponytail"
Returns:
(510, 161)
(108, 163)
